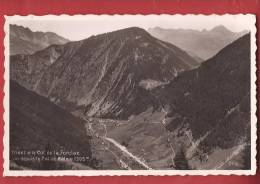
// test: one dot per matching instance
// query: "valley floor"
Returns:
(143, 142)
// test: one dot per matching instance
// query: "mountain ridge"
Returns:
(201, 44)
(25, 41)
(101, 70)
(219, 87)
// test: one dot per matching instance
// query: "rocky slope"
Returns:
(36, 124)
(25, 41)
(212, 103)
(106, 75)
(200, 44)
(202, 120)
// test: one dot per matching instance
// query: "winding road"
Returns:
(122, 149)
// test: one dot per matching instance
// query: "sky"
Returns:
(81, 27)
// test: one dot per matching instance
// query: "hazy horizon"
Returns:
(77, 28)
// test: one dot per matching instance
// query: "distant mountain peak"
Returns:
(18, 26)
(131, 31)
(23, 28)
(25, 41)
(220, 28)
(202, 44)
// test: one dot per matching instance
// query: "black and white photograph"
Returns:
(130, 95)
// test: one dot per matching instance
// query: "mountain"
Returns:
(202, 120)
(145, 103)
(36, 124)
(212, 103)
(105, 75)
(200, 44)
(25, 41)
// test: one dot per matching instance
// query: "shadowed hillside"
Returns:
(39, 125)
(213, 100)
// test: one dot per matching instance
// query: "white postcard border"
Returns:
(8, 172)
